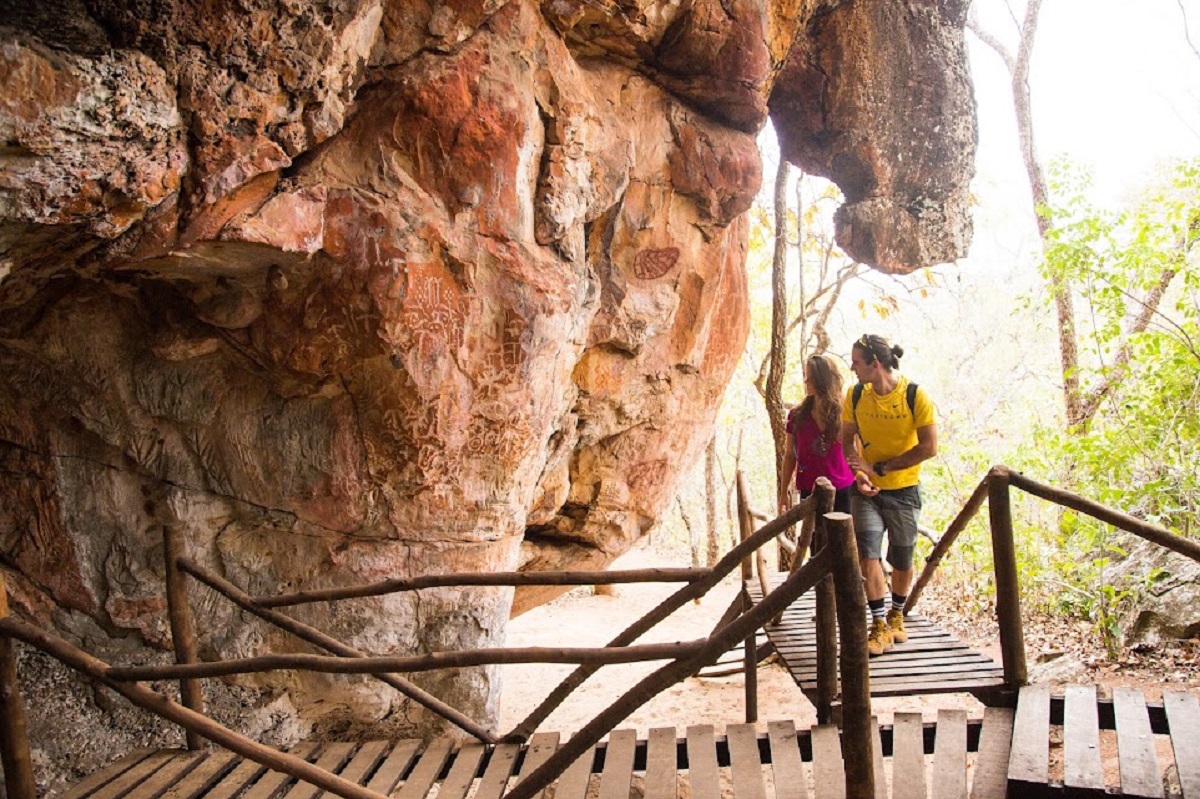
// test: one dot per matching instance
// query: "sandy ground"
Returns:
(582, 619)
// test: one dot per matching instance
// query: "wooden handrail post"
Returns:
(750, 664)
(14, 733)
(183, 634)
(750, 659)
(856, 687)
(827, 642)
(1008, 591)
(745, 525)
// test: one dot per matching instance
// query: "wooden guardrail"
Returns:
(995, 489)
(837, 557)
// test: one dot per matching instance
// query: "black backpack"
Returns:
(910, 395)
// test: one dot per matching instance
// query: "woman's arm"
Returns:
(785, 476)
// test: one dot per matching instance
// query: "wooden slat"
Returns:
(914, 659)
(202, 777)
(908, 757)
(541, 746)
(463, 771)
(332, 760)
(494, 781)
(745, 763)
(881, 791)
(949, 780)
(245, 773)
(106, 775)
(786, 765)
(991, 762)
(427, 769)
(703, 776)
(367, 757)
(829, 772)
(129, 779)
(272, 781)
(1081, 739)
(573, 784)
(393, 768)
(1183, 714)
(662, 764)
(171, 772)
(1135, 745)
(617, 776)
(1029, 760)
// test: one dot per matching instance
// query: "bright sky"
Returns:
(1115, 85)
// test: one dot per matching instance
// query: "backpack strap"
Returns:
(910, 396)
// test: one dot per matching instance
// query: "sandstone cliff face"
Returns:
(354, 289)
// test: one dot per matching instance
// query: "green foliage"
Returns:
(1139, 451)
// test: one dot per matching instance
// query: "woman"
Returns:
(814, 440)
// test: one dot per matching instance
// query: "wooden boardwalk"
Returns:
(783, 763)
(1155, 744)
(1070, 745)
(931, 662)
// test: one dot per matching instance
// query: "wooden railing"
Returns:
(995, 488)
(835, 561)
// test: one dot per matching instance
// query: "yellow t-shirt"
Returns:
(887, 427)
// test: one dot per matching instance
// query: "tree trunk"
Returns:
(773, 395)
(710, 500)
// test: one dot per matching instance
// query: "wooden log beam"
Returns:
(668, 606)
(750, 664)
(653, 684)
(502, 579)
(172, 711)
(14, 740)
(183, 636)
(330, 644)
(1008, 589)
(964, 517)
(1122, 521)
(857, 733)
(745, 524)
(826, 626)
(384, 665)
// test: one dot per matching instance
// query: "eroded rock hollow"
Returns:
(355, 289)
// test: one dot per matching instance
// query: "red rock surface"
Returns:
(350, 290)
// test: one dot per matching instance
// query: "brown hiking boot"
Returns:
(895, 620)
(879, 640)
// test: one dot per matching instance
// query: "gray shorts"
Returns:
(897, 512)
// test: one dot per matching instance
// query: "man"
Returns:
(897, 429)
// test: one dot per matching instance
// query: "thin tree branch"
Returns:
(1186, 35)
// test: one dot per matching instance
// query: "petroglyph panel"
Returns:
(653, 263)
(646, 475)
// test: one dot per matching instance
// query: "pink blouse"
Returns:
(811, 461)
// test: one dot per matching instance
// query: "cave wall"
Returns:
(350, 289)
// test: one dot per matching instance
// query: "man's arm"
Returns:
(925, 449)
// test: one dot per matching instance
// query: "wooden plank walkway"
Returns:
(1079, 718)
(783, 763)
(931, 662)
(1006, 753)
